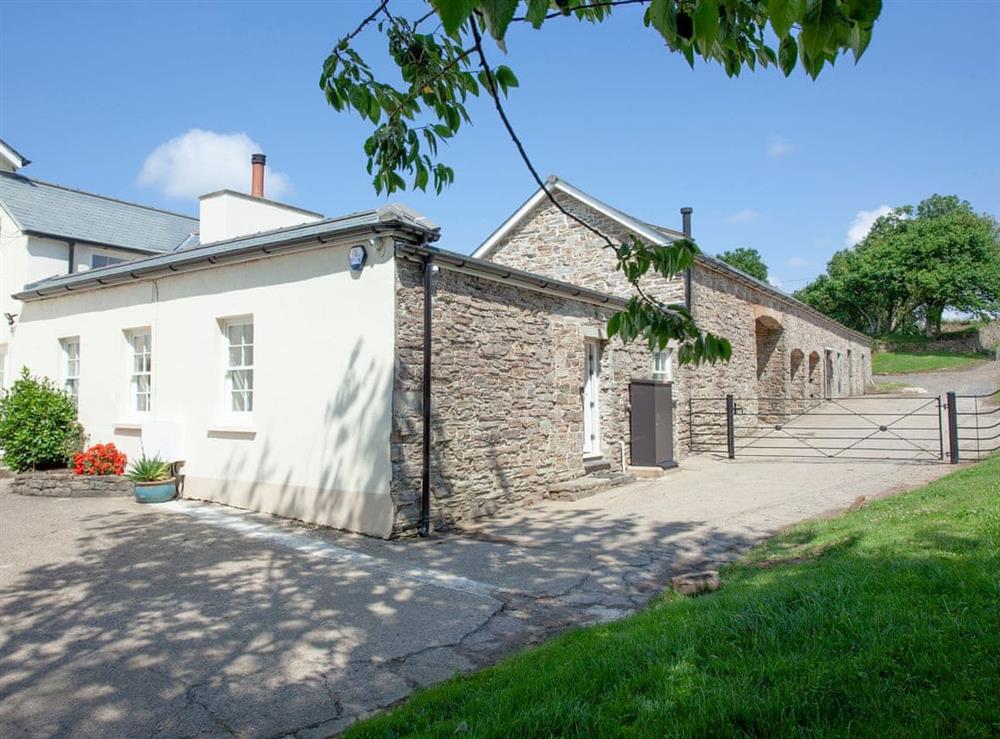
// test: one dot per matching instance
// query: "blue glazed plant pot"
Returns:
(156, 492)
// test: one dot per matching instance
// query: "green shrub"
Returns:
(38, 426)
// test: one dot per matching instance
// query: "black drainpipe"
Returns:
(425, 478)
(688, 287)
(71, 257)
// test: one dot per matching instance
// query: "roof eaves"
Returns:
(13, 154)
(223, 252)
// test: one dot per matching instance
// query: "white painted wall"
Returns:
(24, 259)
(317, 445)
(27, 258)
(227, 214)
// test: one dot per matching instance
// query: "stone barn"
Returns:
(783, 349)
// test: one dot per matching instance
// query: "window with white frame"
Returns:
(140, 342)
(663, 364)
(239, 364)
(71, 367)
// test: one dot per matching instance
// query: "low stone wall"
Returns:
(984, 340)
(64, 484)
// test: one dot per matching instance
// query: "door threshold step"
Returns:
(595, 464)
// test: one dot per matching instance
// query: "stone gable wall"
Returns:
(508, 367)
(549, 243)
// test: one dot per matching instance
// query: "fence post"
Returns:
(953, 427)
(730, 427)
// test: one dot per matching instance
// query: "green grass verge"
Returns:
(891, 363)
(884, 621)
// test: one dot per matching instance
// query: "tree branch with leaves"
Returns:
(443, 55)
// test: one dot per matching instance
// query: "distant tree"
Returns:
(747, 260)
(913, 265)
(441, 54)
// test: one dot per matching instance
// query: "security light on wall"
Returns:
(10, 317)
(357, 257)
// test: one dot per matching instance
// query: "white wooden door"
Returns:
(591, 409)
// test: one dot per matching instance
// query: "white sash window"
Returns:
(141, 370)
(239, 364)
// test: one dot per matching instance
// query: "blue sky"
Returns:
(89, 90)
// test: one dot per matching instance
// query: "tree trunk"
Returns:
(934, 313)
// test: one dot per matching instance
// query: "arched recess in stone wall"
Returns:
(772, 380)
(797, 374)
(813, 378)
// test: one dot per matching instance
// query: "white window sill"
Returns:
(128, 426)
(232, 428)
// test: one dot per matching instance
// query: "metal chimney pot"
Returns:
(257, 163)
(686, 221)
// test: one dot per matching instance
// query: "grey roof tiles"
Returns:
(53, 210)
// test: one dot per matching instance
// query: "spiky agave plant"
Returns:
(149, 469)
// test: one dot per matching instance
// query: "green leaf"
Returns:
(662, 15)
(453, 13)
(864, 12)
(860, 38)
(788, 53)
(505, 77)
(537, 10)
(614, 325)
(782, 14)
(498, 15)
(818, 25)
(706, 24)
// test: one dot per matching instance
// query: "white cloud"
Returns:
(778, 147)
(798, 262)
(203, 161)
(862, 224)
(747, 214)
(774, 282)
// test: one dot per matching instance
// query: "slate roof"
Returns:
(388, 218)
(53, 210)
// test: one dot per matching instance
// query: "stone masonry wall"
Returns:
(507, 372)
(735, 310)
(65, 484)
(548, 243)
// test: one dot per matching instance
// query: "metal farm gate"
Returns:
(974, 425)
(925, 429)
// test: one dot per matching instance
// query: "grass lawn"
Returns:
(884, 363)
(884, 621)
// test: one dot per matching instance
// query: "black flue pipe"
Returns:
(688, 286)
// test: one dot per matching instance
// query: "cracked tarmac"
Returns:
(196, 620)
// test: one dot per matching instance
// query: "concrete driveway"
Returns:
(194, 620)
